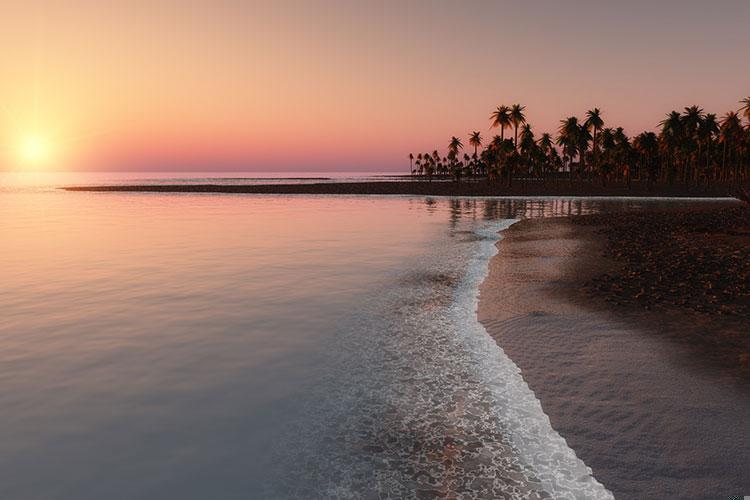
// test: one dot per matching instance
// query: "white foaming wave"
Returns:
(556, 465)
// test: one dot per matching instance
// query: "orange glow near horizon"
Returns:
(356, 86)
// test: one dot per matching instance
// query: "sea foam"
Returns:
(422, 402)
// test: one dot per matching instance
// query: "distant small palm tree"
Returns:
(475, 139)
(501, 118)
(411, 163)
(455, 145)
(545, 142)
(517, 118)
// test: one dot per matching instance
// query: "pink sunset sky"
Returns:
(343, 85)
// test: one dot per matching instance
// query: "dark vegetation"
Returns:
(692, 148)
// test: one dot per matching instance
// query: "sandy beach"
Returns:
(632, 391)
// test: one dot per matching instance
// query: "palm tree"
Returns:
(475, 139)
(594, 121)
(607, 140)
(528, 146)
(429, 168)
(691, 122)
(709, 128)
(730, 136)
(411, 163)
(583, 144)
(517, 118)
(455, 145)
(567, 138)
(501, 118)
(501, 150)
(545, 142)
(745, 109)
(495, 157)
(497, 143)
(546, 148)
(670, 139)
(623, 153)
(453, 148)
(647, 146)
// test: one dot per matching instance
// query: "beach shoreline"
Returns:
(632, 391)
(437, 188)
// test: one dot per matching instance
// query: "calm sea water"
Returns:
(240, 346)
(53, 180)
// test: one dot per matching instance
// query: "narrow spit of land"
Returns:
(437, 188)
(631, 328)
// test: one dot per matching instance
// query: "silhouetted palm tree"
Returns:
(527, 147)
(594, 121)
(745, 109)
(708, 129)
(647, 146)
(411, 163)
(730, 137)
(606, 165)
(501, 118)
(455, 145)
(546, 148)
(584, 137)
(670, 139)
(475, 139)
(623, 153)
(546, 143)
(691, 122)
(567, 138)
(517, 118)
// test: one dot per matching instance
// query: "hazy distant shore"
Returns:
(654, 400)
(437, 188)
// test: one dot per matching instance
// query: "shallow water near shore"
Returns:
(188, 346)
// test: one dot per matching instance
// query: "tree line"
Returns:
(692, 147)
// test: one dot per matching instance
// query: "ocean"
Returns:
(160, 346)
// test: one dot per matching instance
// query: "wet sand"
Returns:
(437, 188)
(631, 392)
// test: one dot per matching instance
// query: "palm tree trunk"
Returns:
(596, 164)
(581, 165)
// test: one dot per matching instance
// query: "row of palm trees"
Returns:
(691, 147)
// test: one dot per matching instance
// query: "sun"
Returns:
(34, 150)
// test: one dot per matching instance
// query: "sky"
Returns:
(341, 85)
